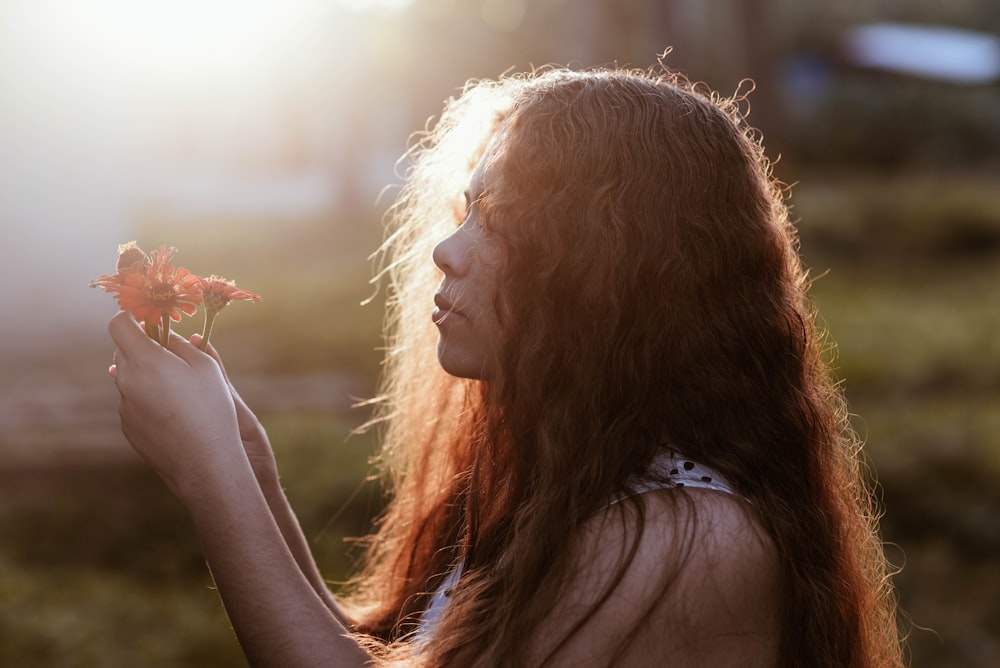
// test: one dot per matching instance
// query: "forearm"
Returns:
(296, 541)
(278, 614)
(178, 411)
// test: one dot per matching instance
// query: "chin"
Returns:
(462, 366)
(462, 371)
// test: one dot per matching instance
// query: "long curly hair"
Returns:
(652, 293)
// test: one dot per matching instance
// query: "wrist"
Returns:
(216, 482)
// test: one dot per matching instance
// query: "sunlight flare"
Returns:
(177, 38)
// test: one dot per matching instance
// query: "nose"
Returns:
(451, 254)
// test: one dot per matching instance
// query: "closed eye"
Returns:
(460, 210)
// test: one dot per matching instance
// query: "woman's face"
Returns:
(465, 313)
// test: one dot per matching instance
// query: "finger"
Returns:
(208, 349)
(118, 363)
(241, 407)
(211, 352)
(244, 415)
(183, 348)
(129, 336)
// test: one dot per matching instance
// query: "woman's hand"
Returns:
(180, 412)
(255, 441)
(177, 409)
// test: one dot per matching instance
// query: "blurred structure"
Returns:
(933, 52)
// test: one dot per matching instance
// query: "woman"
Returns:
(614, 440)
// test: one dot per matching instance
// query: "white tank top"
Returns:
(669, 470)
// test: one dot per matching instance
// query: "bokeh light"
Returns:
(154, 38)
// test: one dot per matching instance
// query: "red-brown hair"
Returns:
(652, 294)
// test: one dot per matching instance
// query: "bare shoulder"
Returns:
(714, 536)
(698, 586)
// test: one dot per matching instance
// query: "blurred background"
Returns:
(261, 139)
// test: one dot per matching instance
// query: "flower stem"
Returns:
(207, 332)
(152, 330)
(165, 330)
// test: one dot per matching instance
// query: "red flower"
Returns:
(149, 288)
(131, 260)
(218, 292)
(157, 292)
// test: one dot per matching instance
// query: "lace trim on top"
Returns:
(671, 469)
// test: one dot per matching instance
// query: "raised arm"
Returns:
(178, 412)
(258, 450)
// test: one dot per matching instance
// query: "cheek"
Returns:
(487, 306)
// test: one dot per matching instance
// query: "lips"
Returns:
(442, 302)
(443, 309)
